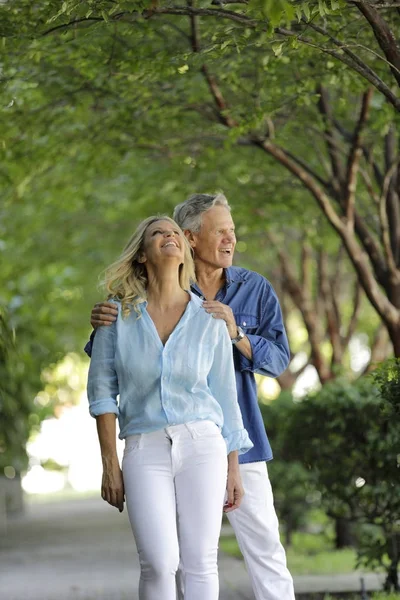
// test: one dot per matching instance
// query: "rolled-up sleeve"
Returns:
(102, 387)
(222, 384)
(269, 344)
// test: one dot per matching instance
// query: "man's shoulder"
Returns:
(248, 276)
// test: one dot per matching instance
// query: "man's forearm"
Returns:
(244, 348)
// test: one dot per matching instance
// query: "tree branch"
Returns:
(91, 20)
(326, 112)
(351, 60)
(393, 198)
(383, 35)
(383, 217)
(303, 301)
(306, 270)
(354, 159)
(216, 93)
(379, 301)
(354, 315)
(379, 348)
(333, 325)
(344, 54)
(307, 168)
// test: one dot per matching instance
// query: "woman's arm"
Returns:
(112, 485)
(102, 394)
(234, 487)
(222, 384)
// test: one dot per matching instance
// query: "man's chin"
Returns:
(225, 262)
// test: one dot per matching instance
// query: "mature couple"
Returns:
(166, 350)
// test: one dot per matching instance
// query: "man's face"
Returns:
(215, 243)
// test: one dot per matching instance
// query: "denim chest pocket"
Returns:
(249, 323)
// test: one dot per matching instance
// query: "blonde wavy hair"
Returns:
(126, 279)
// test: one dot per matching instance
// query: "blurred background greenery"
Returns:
(111, 111)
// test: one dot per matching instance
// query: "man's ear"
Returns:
(191, 237)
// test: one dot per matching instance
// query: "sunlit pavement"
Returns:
(82, 549)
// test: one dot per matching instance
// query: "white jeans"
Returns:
(175, 482)
(257, 531)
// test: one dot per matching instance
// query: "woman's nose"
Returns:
(169, 234)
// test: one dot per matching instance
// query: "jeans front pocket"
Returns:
(204, 429)
(132, 444)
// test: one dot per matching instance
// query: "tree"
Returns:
(204, 54)
(348, 436)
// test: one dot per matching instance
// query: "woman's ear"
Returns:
(141, 258)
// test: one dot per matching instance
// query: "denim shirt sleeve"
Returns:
(222, 384)
(269, 344)
(89, 344)
(102, 387)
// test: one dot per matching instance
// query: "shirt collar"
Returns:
(194, 305)
(232, 275)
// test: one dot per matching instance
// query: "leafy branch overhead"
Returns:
(294, 81)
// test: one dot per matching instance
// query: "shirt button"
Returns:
(244, 323)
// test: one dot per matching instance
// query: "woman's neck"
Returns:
(164, 290)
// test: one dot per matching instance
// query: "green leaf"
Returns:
(277, 48)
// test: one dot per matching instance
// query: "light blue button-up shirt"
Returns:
(191, 378)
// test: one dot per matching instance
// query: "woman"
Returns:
(171, 364)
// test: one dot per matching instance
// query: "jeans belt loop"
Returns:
(191, 430)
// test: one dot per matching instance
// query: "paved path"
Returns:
(84, 550)
(79, 550)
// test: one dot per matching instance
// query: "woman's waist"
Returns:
(191, 423)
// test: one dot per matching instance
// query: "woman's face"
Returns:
(163, 241)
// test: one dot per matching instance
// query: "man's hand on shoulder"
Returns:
(103, 313)
(222, 311)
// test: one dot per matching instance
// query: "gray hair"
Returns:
(188, 214)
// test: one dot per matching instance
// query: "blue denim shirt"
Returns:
(190, 378)
(257, 311)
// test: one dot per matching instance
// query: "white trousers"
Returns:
(175, 482)
(257, 531)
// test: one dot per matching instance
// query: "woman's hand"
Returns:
(103, 313)
(234, 487)
(112, 485)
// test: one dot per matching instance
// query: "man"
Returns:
(247, 303)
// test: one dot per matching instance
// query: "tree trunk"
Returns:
(394, 334)
(343, 533)
(392, 579)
